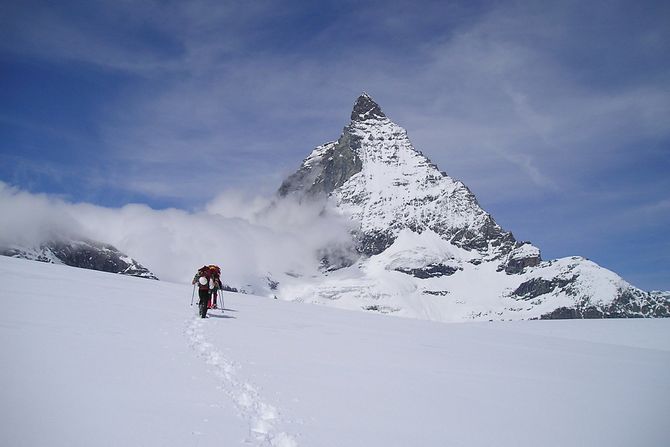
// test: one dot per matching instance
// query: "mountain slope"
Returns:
(429, 250)
(129, 364)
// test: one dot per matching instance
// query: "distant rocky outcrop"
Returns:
(83, 253)
(629, 303)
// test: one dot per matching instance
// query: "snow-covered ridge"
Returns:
(424, 276)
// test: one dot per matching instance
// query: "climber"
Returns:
(208, 280)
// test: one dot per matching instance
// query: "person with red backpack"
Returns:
(208, 279)
(205, 284)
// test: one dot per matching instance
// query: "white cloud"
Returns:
(500, 104)
(248, 238)
(28, 219)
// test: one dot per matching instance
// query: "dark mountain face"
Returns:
(630, 303)
(84, 254)
(366, 108)
(319, 176)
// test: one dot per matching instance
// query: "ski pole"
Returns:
(192, 294)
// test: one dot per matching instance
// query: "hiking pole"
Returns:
(223, 306)
(192, 294)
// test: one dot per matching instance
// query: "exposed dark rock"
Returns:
(514, 266)
(562, 313)
(480, 238)
(228, 288)
(430, 271)
(366, 108)
(521, 258)
(630, 303)
(272, 284)
(381, 309)
(84, 253)
(373, 243)
(320, 177)
(538, 286)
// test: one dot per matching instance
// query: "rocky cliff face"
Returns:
(424, 233)
(84, 254)
(377, 177)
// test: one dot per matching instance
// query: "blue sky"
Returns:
(555, 114)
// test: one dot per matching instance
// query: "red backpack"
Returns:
(202, 278)
(209, 272)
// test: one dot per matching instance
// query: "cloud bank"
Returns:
(247, 237)
(27, 219)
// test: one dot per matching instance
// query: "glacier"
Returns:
(94, 358)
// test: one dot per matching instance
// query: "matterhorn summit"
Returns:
(366, 108)
(377, 177)
(426, 249)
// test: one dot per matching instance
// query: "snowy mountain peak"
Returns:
(366, 108)
(376, 176)
(427, 249)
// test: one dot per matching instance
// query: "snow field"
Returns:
(260, 415)
(98, 359)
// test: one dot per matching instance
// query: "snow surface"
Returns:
(91, 358)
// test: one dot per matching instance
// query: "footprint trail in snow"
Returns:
(260, 415)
